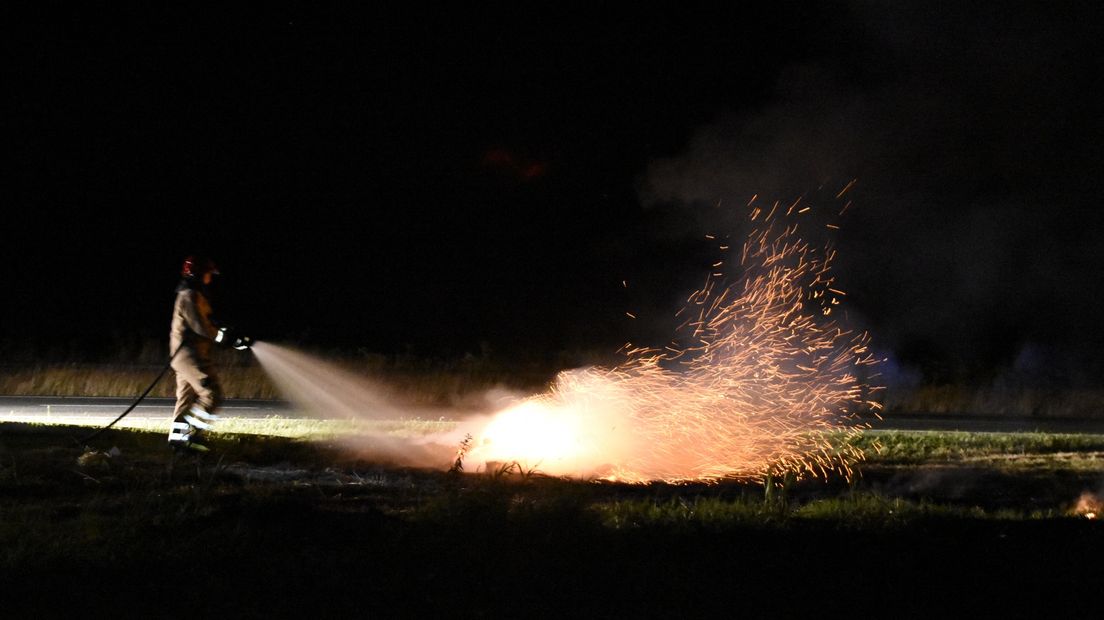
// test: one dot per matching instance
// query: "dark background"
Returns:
(481, 180)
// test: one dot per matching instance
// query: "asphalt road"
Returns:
(90, 410)
(102, 410)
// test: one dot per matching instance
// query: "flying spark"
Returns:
(767, 386)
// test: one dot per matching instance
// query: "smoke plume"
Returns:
(972, 231)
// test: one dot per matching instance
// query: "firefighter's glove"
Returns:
(226, 336)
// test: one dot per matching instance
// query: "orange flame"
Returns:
(1088, 505)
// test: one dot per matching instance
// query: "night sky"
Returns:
(480, 180)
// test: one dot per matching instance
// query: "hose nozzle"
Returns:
(225, 337)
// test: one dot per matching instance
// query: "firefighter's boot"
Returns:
(187, 433)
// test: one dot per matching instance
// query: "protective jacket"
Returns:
(192, 328)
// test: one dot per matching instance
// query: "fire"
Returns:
(576, 428)
(540, 433)
(759, 377)
(1088, 505)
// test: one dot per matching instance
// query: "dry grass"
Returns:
(414, 381)
(272, 426)
(121, 380)
(1017, 402)
(441, 382)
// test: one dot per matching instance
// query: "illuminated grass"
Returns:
(273, 426)
(704, 512)
(862, 509)
(277, 426)
(1083, 452)
(995, 448)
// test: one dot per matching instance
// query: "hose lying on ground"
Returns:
(138, 400)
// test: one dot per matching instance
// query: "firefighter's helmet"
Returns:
(196, 266)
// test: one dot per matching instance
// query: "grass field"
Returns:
(311, 429)
(444, 381)
(414, 380)
(284, 526)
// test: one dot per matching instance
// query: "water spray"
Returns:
(382, 421)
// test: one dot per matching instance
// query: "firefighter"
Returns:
(193, 332)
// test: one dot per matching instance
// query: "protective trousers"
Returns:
(196, 385)
(198, 394)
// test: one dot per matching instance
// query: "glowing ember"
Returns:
(762, 374)
(1088, 505)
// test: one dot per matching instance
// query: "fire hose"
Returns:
(142, 397)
